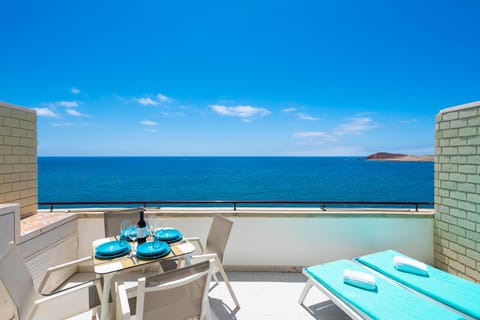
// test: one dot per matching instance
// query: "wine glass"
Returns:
(132, 235)
(152, 225)
(124, 226)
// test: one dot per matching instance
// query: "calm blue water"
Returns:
(232, 178)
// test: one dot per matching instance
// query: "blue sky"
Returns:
(273, 78)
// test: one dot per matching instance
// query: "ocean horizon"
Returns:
(133, 178)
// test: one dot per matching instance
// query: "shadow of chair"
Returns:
(17, 282)
(178, 294)
(220, 310)
(215, 248)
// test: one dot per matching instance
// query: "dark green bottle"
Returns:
(142, 231)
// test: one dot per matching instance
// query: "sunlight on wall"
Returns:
(457, 190)
(18, 158)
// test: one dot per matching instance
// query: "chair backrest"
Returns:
(17, 280)
(177, 294)
(113, 218)
(218, 235)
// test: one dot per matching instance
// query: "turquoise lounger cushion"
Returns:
(389, 302)
(442, 286)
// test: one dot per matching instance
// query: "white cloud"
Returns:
(147, 101)
(355, 126)
(316, 135)
(75, 90)
(63, 124)
(68, 104)
(247, 113)
(149, 123)
(174, 114)
(75, 113)
(304, 116)
(164, 98)
(45, 112)
(289, 110)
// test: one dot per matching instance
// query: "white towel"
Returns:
(409, 265)
(359, 279)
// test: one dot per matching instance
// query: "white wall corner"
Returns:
(9, 224)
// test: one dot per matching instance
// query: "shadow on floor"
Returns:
(325, 310)
(221, 311)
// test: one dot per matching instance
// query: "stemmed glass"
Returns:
(132, 235)
(124, 225)
(152, 225)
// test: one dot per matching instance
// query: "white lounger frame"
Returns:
(350, 310)
(353, 312)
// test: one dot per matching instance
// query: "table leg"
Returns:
(107, 285)
(188, 259)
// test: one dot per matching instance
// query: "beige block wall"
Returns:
(18, 157)
(457, 190)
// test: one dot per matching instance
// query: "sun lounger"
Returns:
(390, 301)
(451, 290)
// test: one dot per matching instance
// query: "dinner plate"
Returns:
(102, 256)
(163, 254)
(150, 249)
(169, 235)
(113, 247)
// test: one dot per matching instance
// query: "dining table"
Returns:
(107, 268)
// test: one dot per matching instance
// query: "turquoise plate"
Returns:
(112, 247)
(153, 249)
(169, 235)
(101, 256)
(160, 255)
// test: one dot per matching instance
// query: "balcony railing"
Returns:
(235, 203)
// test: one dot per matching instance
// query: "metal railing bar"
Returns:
(235, 203)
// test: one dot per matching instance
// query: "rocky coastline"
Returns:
(387, 156)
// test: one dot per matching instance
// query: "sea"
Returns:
(79, 179)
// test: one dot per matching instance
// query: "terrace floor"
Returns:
(271, 295)
(267, 295)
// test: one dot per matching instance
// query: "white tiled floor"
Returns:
(270, 295)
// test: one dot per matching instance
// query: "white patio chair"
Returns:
(16, 281)
(215, 247)
(177, 294)
(113, 218)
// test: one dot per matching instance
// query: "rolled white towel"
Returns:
(409, 265)
(359, 279)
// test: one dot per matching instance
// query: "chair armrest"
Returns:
(59, 299)
(198, 242)
(123, 308)
(60, 267)
(214, 260)
(206, 256)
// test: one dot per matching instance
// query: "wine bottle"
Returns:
(142, 228)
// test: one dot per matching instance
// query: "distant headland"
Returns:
(387, 156)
